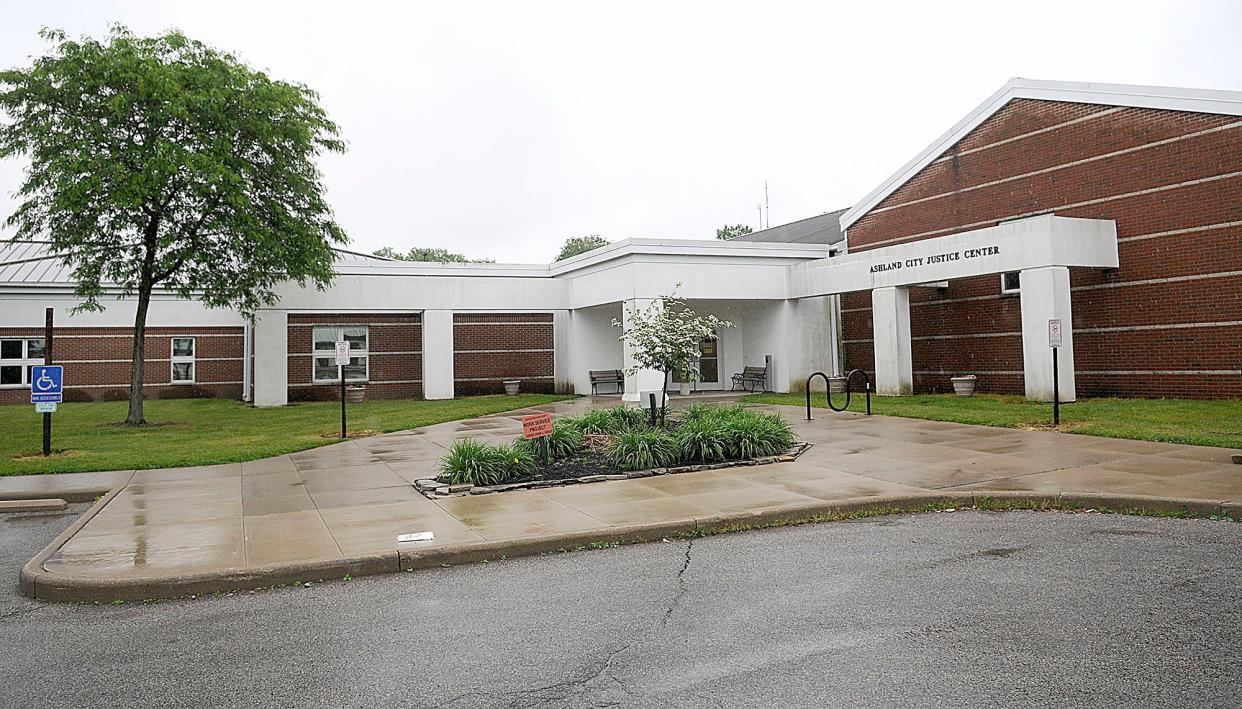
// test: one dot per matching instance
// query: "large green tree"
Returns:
(163, 163)
(426, 254)
(581, 245)
(730, 231)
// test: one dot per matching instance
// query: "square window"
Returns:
(183, 372)
(325, 369)
(325, 339)
(356, 337)
(356, 370)
(34, 349)
(183, 347)
(11, 349)
(1011, 282)
(11, 375)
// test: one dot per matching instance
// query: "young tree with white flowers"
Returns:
(665, 336)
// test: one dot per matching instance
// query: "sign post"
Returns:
(342, 359)
(1054, 341)
(46, 391)
(47, 359)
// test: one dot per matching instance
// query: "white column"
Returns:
(1046, 296)
(437, 354)
(562, 351)
(271, 358)
(644, 379)
(890, 322)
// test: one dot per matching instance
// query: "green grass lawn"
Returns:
(87, 436)
(1204, 423)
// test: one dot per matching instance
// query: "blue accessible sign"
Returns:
(46, 383)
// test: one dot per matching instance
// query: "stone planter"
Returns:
(355, 394)
(684, 388)
(964, 385)
(836, 385)
(512, 386)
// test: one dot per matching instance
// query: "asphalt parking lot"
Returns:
(969, 608)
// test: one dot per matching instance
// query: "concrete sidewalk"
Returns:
(338, 509)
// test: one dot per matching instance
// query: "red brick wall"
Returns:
(489, 348)
(97, 362)
(1167, 322)
(394, 345)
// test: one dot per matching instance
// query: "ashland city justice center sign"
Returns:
(930, 259)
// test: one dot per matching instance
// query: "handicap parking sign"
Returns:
(46, 383)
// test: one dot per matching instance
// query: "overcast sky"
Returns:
(500, 129)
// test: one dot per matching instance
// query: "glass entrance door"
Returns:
(709, 363)
(709, 366)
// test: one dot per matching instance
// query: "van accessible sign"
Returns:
(943, 257)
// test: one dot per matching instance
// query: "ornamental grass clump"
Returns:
(564, 441)
(755, 435)
(643, 448)
(701, 440)
(611, 421)
(470, 462)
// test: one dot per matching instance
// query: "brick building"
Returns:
(1115, 210)
(1163, 165)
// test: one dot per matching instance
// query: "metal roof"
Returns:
(822, 229)
(32, 263)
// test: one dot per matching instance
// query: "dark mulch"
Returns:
(587, 462)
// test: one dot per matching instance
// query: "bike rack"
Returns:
(828, 385)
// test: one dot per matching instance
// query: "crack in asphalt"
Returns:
(580, 687)
(681, 584)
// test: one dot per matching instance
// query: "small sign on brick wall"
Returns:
(537, 425)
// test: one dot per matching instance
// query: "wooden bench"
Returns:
(750, 378)
(607, 376)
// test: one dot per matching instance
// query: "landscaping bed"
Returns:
(615, 444)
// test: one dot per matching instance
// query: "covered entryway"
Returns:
(1042, 249)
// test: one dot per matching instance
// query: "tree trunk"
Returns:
(664, 398)
(135, 417)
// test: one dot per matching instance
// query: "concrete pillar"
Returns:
(644, 379)
(1046, 296)
(271, 358)
(437, 354)
(890, 322)
(562, 351)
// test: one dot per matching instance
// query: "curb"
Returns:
(36, 582)
(42, 504)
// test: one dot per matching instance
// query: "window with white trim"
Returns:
(182, 360)
(1011, 282)
(17, 356)
(324, 339)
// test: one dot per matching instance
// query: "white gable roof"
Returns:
(1173, 99)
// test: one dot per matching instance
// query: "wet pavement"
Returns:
(352, 499)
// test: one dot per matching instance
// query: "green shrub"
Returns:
(564, 441)
(701, 440)
(518, 463)
(611, 421)
(755, 435)
(643, 448)
(713, 412)
(473, 463)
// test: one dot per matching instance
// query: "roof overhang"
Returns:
(1035, 242)
(1172, 99)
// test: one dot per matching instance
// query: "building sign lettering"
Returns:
(936, 258)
